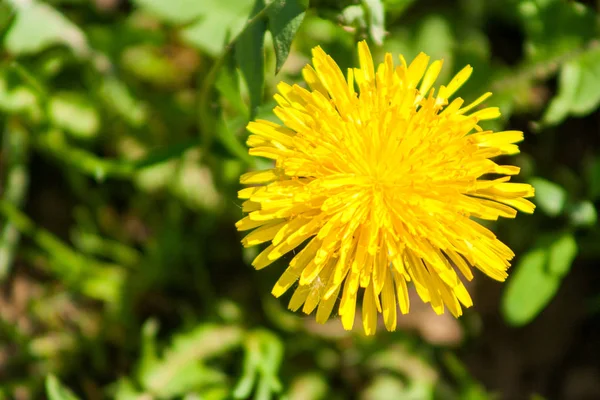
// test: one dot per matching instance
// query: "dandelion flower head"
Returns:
(375, 181)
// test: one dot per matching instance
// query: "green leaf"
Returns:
(228, 138)
(74, 113)
(56, 391)
(577, 95)
(537, 277)
(149, 358)
(549, 196)
(556, 27)
(262, 359)
(7, 15)
(285, 17)
(124, 389)
(375, 19)
(250, 58)
(529, 289)
(180, 368)
(583, 214)
(562, 252)
(118, 98)
(219, 19)
(39, 26)
(175, 11)
(150, 63)
(19, 99)
(227, 83)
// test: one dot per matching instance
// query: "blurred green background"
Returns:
(122, 142)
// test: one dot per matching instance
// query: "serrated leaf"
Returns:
(38, 26)
(56, 391)
(375, 19)
(549, 196)
(250, 58)
(285, 17)
(577, 88)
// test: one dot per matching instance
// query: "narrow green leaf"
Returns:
(549, 196)
(149, 354)
(250, 58)
(56, 391)
(285, 17)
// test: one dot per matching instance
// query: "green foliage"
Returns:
(538, 277)
(182, 367)
(250, 58)
(262, 359)
(577, 90)
(56, 391)
(550, 197)
(122, 130)
(285, 18)
(38, 26)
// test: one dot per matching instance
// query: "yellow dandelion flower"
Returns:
(375, 181)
